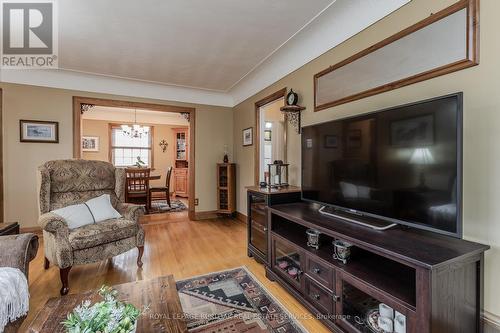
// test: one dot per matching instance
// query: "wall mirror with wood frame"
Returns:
(271, 133)
(445, 42)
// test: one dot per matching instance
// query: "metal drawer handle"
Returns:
(316, 297)
(336, 298)
(265, 229)
(316, 270)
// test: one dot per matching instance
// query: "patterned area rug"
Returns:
(233, 301)
(161, 206)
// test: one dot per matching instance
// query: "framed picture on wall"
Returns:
(267, 135)
(90, 143)
(248, 136)
(39, 131)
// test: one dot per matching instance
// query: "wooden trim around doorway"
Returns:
(266, 100)
(77, 131)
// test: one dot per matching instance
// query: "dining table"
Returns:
(153, 177)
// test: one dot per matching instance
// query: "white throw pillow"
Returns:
(102, 209)
(76, 216)
(94, 210)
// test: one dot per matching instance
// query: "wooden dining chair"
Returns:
(162, 189)
(137, 185)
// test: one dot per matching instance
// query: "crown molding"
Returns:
(71, 80)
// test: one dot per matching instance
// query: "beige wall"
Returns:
(162, 160)
(481, 121)
(99, 128)
(213, 130)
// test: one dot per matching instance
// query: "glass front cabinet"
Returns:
(289, 262)
(359, 307)
(258, 200)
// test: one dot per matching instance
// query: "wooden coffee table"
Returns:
(158, 298)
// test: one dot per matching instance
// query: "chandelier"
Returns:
(136, 130)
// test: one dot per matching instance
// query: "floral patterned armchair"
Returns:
(17, 251)
(70, 182)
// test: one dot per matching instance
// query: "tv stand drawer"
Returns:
(320, 271)
(319, 296)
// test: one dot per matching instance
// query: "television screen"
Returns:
(402, 164)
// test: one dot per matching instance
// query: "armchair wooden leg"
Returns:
(139, 257)
(168, 198)
(46, 263)
(64, 273)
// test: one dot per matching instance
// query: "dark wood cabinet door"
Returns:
(288, 261)
(355, 301)
(257, 218)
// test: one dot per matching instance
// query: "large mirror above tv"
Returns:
(445, 42)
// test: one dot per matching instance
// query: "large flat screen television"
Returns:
(401, 165)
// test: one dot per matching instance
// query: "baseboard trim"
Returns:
(206, 215)
(241, 217)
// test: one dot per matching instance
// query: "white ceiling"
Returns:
(193, 43)
(216, 52)
(122, 115)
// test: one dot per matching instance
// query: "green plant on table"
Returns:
(140, 163)
(108, 316)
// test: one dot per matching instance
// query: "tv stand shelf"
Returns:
(435, 281)
(371, 269)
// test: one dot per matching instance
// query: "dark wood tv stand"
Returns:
(435, 281)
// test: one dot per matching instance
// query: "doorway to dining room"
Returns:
(154, 143)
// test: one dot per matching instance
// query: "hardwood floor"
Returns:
(180, 247)
(168, 217)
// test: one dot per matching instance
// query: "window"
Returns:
(125, 149)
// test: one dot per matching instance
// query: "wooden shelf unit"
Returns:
(435, 281)
(181, 158)
(226, 188)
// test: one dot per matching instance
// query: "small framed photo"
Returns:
(248, 136)
(267, 135)
(39, 131)
(331, 141)
(90, 143)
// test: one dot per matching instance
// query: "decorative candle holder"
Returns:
(341, 250)
(313, 238)
(278, 174)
